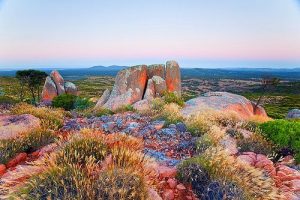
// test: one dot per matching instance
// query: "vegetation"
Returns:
(171, 97)
(33, 80)
(92, 165)
(283, 133)
(65, 101)
(223, 168)
(50, 118)
(28, 142)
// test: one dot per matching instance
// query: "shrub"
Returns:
(233, 132)
(7, 100)
(283, 133)
(120, 184)
(64, 182)
(50, 118)
(124, 108)
(81, 150)
(65, 101)
(255, 143)
(82, 104)
(170, 97)
(102, 111)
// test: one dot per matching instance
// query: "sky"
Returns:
(196, 33)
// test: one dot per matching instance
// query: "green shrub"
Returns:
(7, 100)
(82, 103)
(124, 108)
(203, 143)
(81, 150)
(170, 97)
(66, 101)
(103, 111)
(120, 184)
(283, 133)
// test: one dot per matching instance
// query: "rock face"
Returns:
(143, 82)
(150, 90)
(129, 87)
(159, 85)
(222, 101)
(70, 88)
(173, 77)
(49, 90)
(59, 82)
(55, 85)
(12, 126)
(156, 70)
(293, 114)
(103, 99)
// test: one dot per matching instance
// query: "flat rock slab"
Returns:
(12, 126)
(222, 101)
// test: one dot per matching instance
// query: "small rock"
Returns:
(172, 183)
(172, 126)
(168, 195)
(180, 187)
(21, 157)
(158, 124)
(181, 127)
(108, 127)
(2, 169)
(293, 114)
(153, 195)
(166, 172)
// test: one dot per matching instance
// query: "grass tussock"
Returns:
(254, 182)
(51, 118)
(28, 142)
(91, 165)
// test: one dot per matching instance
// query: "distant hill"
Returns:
(108, 68)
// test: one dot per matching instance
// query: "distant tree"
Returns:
(267, 83)
(33, 80)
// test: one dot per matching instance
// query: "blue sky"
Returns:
(197, 33)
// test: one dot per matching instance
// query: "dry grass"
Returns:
(51, 118)
(253, 181)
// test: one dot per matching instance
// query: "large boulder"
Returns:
(156, 70)
(150, 90)
(222, 101)
(173, 77)
(293, 114)
(59, 82)
(55, 85)
(103, 99)
(159, 85)
(128, 88)
(11, 126)
(70, 88)
(49, 90)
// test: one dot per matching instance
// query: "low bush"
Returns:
(102, 111)
(255, 143)
(7, 100)
(120, 184)
(82, 104)
(65, 101)
(284, 134)
(50, 118)
(170, 97)
(124, 108)
(203, 143)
